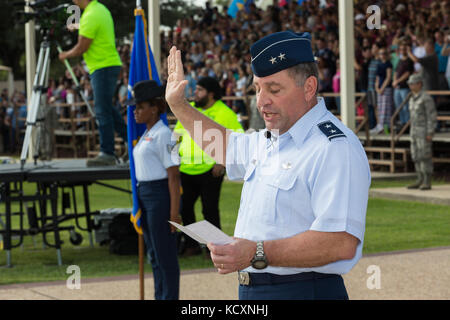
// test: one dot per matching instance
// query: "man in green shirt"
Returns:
(200, 174)
(96, 42)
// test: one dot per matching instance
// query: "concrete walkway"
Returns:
(439, 194)
(417, 274)
(422, 275)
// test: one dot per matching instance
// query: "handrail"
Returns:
(361, 95)
(66, 105)
(395, 138)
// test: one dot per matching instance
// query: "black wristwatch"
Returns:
(259, 261)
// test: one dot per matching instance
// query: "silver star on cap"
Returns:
(282, 56)
(273, 60)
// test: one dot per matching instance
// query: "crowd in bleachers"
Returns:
(215, 44)
(218, 45)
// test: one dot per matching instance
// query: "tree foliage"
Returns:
(12, 38)
(12, 31)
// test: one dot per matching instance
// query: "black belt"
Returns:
(248, 278)
(152, 182)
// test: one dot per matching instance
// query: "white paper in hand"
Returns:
(204, 232)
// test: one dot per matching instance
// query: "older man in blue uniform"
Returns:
(306, 177)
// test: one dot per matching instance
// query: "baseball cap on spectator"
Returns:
(211, 85)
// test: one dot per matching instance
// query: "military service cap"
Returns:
(279, 51)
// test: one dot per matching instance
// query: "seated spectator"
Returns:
(325, 76)
(328, 57)
(4, 129)
(241, 85)
(446, 52)
(196, 56)
(122, 91)
(190, 76)
(15, 119)
(443, 59)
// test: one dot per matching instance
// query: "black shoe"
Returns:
(102, 160)
(425, 187)
(415, 185)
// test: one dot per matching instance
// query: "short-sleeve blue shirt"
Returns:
(155, 153)
(315, 176)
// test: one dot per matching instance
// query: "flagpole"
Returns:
(141, 266)
(140, 236)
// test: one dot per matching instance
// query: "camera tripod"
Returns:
(38, 103)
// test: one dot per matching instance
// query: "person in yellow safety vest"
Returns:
(201, 176)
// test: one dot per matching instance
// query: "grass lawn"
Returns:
(390, 226)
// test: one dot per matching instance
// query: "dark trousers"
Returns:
(154, 201)
(330, 288)
(109, 119)
(207, 188)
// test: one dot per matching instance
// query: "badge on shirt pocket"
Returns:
(278, 197)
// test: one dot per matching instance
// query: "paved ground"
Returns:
(422, 275)
(439, 194)
(418, 274)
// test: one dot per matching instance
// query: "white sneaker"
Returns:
(376, 130)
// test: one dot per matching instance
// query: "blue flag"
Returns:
(142, 67)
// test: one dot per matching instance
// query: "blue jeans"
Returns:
(331, 288)
(104, 84)
(399, 96)
(371, 105)
(154, 201)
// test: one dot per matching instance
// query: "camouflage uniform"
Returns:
(423, 121)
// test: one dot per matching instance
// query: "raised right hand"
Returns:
(175, 82)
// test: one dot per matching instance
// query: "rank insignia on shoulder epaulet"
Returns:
(330, 130)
